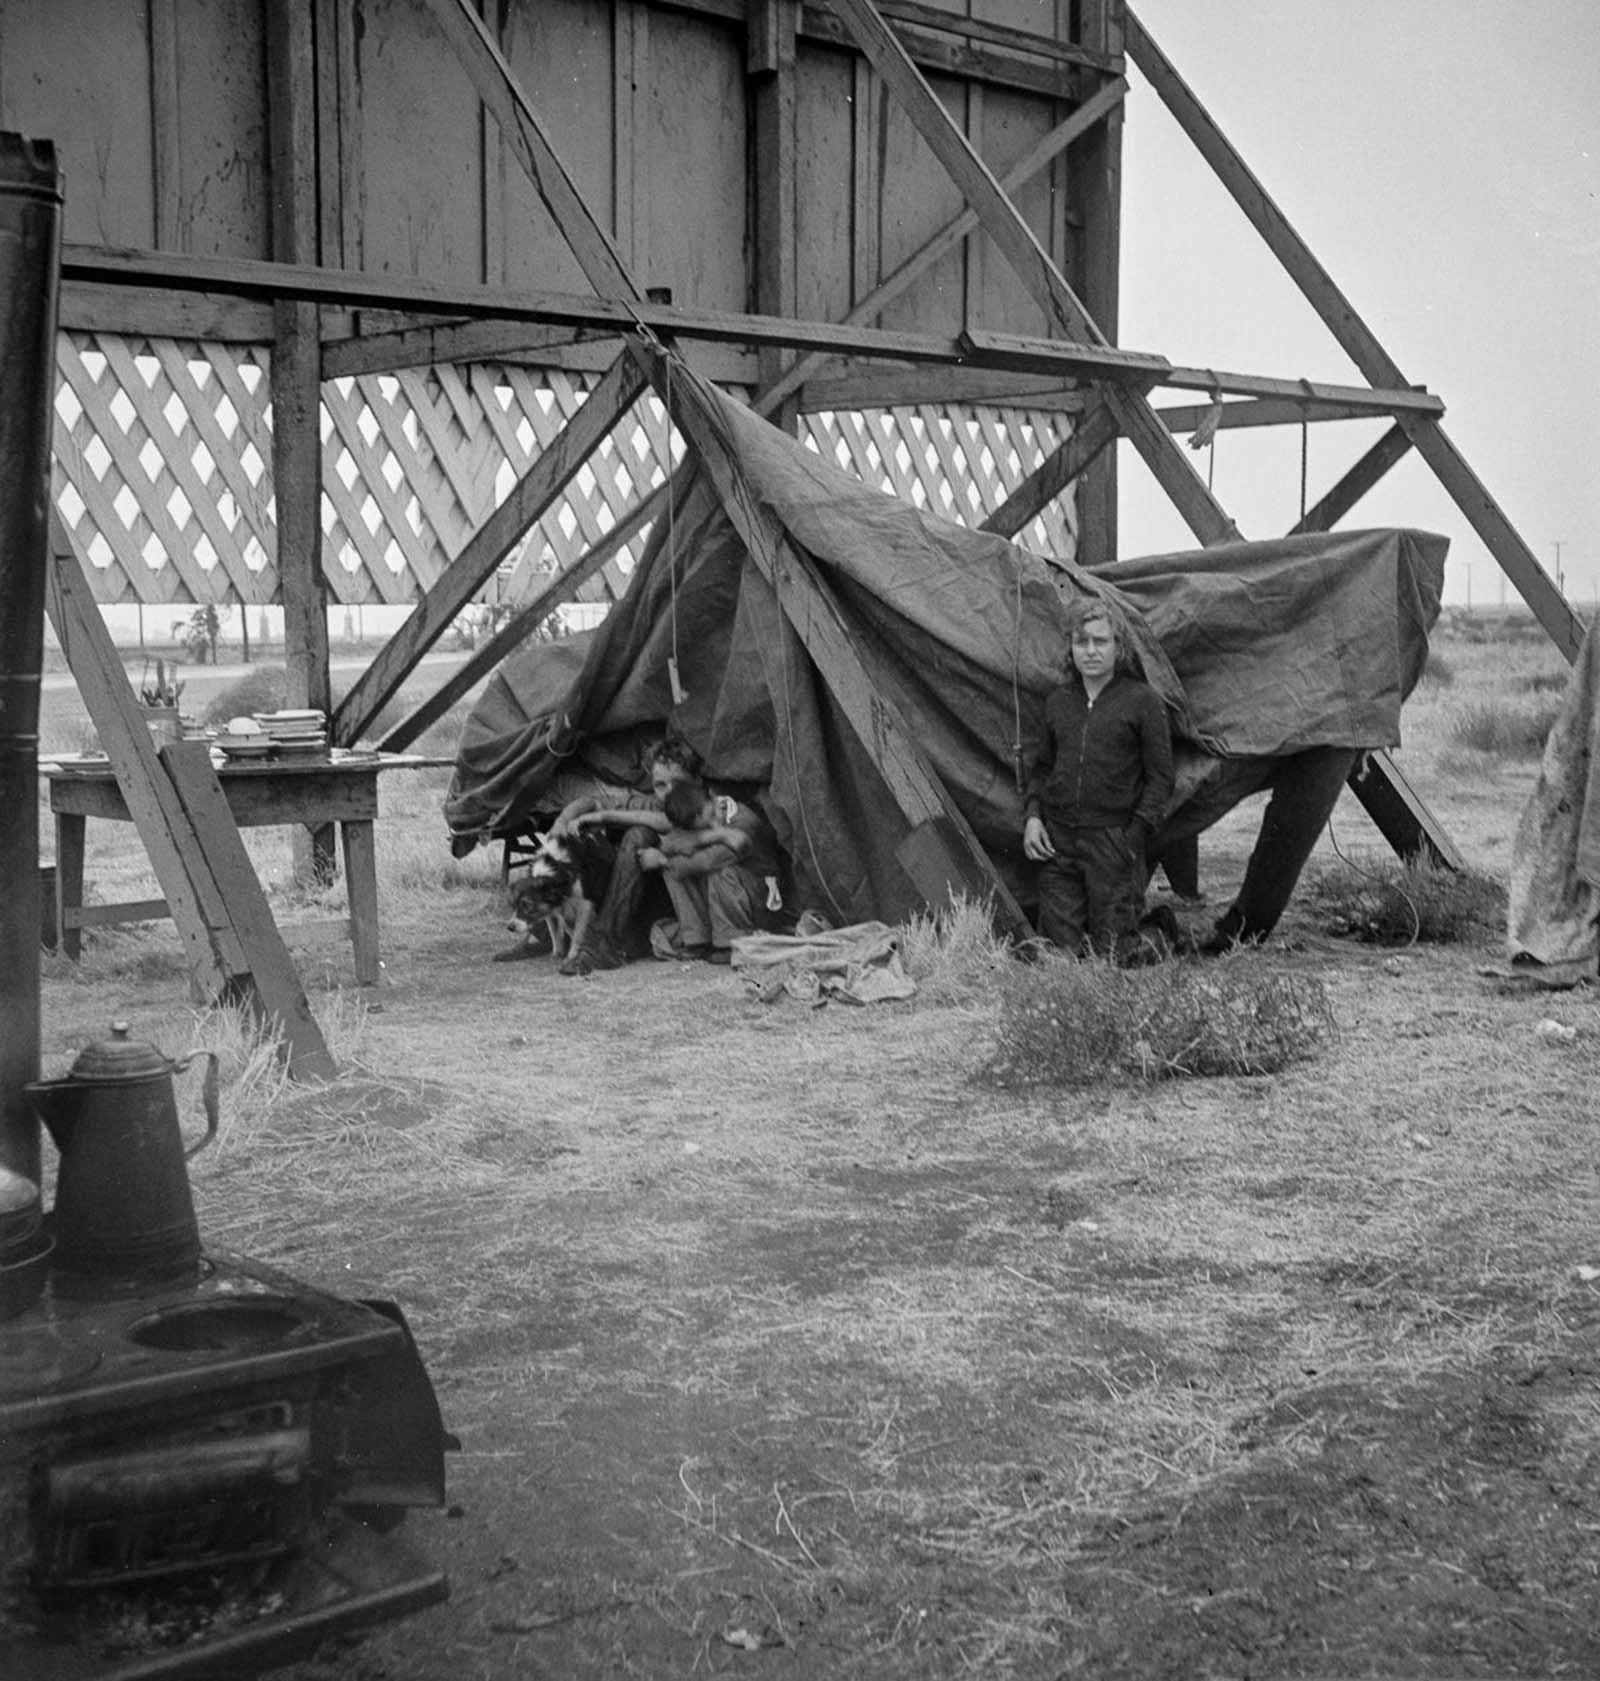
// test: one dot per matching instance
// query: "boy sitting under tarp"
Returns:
(719, 860)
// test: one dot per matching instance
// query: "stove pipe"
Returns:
(30, 267)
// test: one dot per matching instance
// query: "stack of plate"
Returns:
(302, 734)
(244, 738)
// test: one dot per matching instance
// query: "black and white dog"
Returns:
(560, 890)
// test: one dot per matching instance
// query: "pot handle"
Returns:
(208, 1092)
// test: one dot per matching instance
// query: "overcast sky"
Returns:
(1442, 160)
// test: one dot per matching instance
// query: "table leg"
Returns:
(70, 832)
(361, 887)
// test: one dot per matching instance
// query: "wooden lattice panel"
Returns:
(163, 471)
(958, 462)
(163, 468)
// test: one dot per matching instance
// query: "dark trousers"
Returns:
(1092, 891)
(618, 920)
(1305, 787)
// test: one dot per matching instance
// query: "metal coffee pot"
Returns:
(123, 1207)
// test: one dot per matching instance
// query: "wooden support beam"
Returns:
(453, 341)
(97, 307)
(909, 13)
(1260, 411)
(1401, 815)
(1311, 394)
(504, 100)
(1035, 355)
(808, 603)
(273, 988)
(296, 376)
(1172, 468)
(231, 944)
(983, 193)
(945, 49)
(1359, 342)
(357, 290)
(211, 950)
(845, 386)
(1355, 484)
(1500, 537)
(949, 44)
(560, 588)
(1039, 275)
(297, 497)
(1090, 234)
(555, 467)
(770, 63)
(1096, 430)
(1394, 805)
(959, 228)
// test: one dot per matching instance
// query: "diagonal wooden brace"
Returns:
(945, 850)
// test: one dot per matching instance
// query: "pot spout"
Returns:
(47, 1096)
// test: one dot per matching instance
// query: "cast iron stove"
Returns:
(201, 1479)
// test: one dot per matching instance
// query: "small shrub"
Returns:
(1391, 904)
(1508, 732)
(1438, 670)
(264, 689)
(1065, 1023)
(1546, 683)
(954, 952)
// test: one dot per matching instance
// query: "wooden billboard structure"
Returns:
(361, 296)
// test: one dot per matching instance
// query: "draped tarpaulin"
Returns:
(1259, 649)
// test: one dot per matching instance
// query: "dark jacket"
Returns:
(1106, 765)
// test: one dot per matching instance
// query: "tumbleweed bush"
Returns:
(1388, 903)
(1074, 1023)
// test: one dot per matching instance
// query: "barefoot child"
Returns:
(720, 861)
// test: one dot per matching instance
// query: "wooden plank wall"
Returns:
(158, 112)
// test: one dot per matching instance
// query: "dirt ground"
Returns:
(780, 1341)
(800, 1340)
(806, 1351)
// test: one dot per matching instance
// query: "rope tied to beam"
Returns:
(1204, 435)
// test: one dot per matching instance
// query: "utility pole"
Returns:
(1560, 576)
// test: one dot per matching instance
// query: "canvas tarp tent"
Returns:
(1261, 651)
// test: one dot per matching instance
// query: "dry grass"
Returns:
(1386, 902)
(795, 1321)
(955, 953)
(1071, 1023)
(1501, 727)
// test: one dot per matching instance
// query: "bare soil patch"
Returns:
(777, 1338)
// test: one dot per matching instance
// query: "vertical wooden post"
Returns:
(770, 64)
(297, 377)
(1093, 199)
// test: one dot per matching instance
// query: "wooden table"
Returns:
(260, 793)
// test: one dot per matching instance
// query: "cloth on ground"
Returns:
(860, 963)
(1553, 916)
